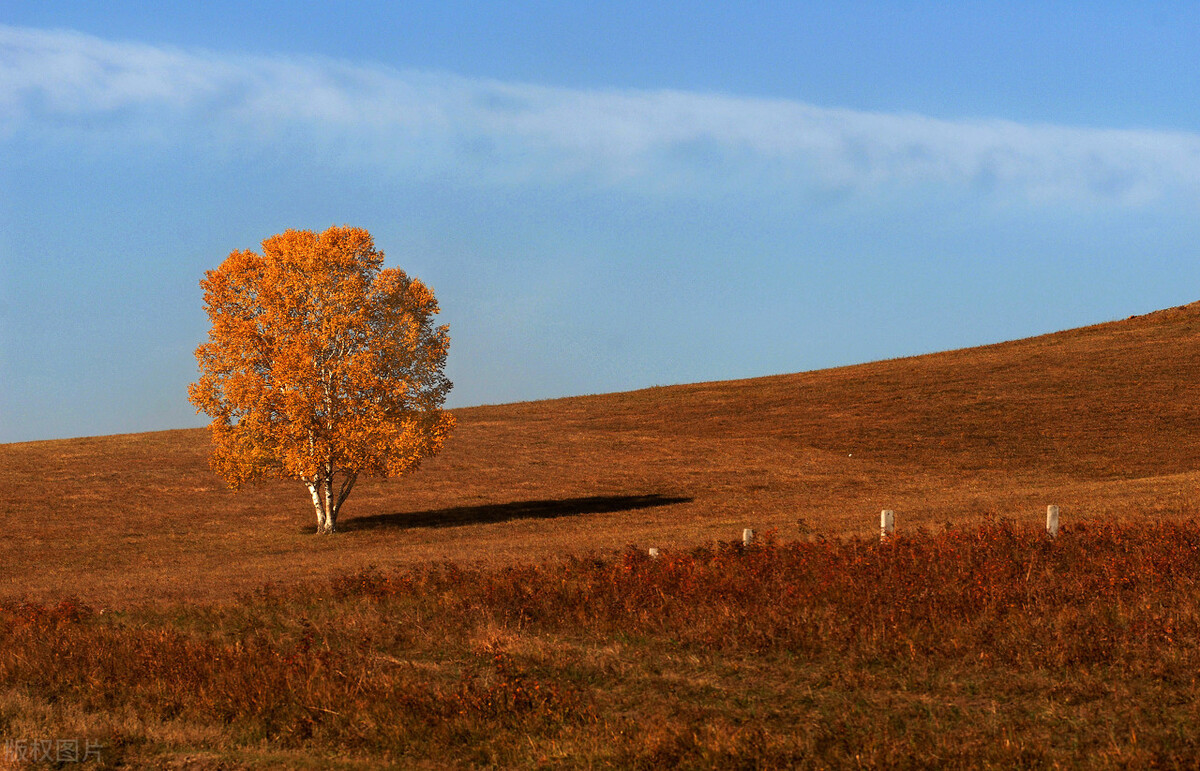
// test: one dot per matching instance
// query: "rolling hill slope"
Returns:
(1102, 420)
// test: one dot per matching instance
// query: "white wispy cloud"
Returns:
(80, 88)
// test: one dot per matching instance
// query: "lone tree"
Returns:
(320, 366)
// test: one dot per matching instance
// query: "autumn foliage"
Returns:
(321, 366)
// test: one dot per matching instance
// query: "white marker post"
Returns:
(887, 524)
(747, 537)
(653, 553)
(1052, 520)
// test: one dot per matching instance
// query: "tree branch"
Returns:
(346, 487)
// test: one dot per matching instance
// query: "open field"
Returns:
(498, 608)
(1103, 421)
(990, 646)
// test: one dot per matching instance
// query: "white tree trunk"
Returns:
(322, 516)
(330, 506)
(327, 500)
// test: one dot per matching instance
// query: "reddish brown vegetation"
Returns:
(990, 645)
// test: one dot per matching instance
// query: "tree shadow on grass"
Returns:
(503, 512)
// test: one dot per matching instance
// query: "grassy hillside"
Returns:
(209, 629)
(1103, 421)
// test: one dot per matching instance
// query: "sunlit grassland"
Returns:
(994, 645)
(1103, 421)
(499, 608)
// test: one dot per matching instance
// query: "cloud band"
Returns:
(80, 88)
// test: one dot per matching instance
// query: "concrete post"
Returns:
(887, 524)
(1052, 520)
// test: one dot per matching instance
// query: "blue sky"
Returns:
(603, 196)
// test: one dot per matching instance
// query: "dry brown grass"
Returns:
(1103, 421)
(994, 646)
(985, 644)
